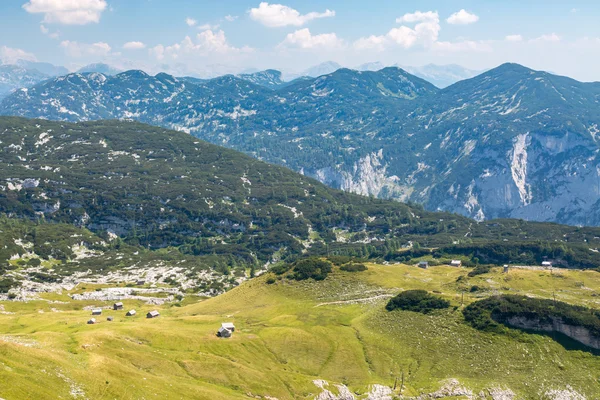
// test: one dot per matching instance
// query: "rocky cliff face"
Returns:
(578, 333)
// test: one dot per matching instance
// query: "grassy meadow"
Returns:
(290, 333)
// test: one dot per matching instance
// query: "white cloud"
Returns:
(371, 42)
(462, 17)
(77, 49)
(404, 36)
(278, 15)
(68, 12)
(418, 16)
(514, 38)
(9, 55)
(207, 27)
(205, 43)
(231, 18)
(158, 52)
(552, 37)
(47, 32)
(305, 40)
(134, 46)
(425, 32)
(190, 21)
(465, 45)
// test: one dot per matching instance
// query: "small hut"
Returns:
(224, 332)
(229, 326)
(118, 306)
(97, 311)
(456, 263)
(424, 264)
(152, 314)
(130, 313)
(92, 321)
(547, 264)
(506, 269)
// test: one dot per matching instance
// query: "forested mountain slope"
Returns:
(161, 188)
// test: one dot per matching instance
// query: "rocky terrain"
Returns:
(511, 142)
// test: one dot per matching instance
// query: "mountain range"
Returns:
(511, 142)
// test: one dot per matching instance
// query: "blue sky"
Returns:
(200, 37)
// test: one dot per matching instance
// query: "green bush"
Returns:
(480, 270)
(353, 267)
(311, 268)
(417, 301)
(6, 284)
(339, 260)
(271, 280)
(280, 269)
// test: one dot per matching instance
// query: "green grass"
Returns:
(287, 336)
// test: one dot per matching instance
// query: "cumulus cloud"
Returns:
(305, 40)
(190, 21)
(206, 27)
(231, 18)
(371, 42)
(48, 32)
(78, 50)
(205, 43)
(158, 52)
(418, 16)
(134, 46)
(9, 55)
(425, 32)
(465, 45)
(514, 38)
(552, 37)
(278, 15)
(462, 17)
(68, 12)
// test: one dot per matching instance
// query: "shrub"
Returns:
(480, 270)
(417, 301)
(271, 280)
(34, 262)
(280, 269)
(353, 267)
(339, 260)
(474, 288)
(311, 268)
(6, 284)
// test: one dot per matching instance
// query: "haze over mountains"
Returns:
(511, 142)
(28, 73)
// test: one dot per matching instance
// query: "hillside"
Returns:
(299, 340)
(160, 188)
(509, 143)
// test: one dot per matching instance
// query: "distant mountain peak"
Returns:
(270, 78)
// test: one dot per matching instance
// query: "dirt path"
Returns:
(354, 301)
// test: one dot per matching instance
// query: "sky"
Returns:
(200, 37)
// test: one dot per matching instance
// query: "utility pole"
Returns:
(402, 384)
